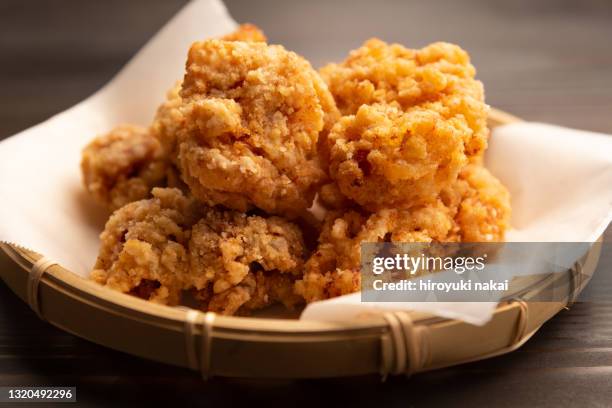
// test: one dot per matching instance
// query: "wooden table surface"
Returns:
(547, 60)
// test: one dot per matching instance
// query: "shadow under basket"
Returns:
(266, 347)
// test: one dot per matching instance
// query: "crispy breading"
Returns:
(123, 166)
(162, 247)
(480, 204)
(230, 251)
(331, 198)
(167, 121)
(253, 128)
(253, 114)
(333, 269)
(437, 78)
(382, 157)
(256, 291)
(146, 243)
(168, 118)
(475, 209)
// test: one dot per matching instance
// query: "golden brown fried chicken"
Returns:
(256, 291)
(168, 118)
(475, 209)
(382, 157)
(333, 269)
(145, 247)
(237, 261)
(480, 205)
(160, 248)
(414, 119)
(253, 114)
(123, 166)
(438, 77)
(444, 127)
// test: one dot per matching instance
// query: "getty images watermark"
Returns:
(469, 272)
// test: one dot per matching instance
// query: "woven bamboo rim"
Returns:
(278, 348)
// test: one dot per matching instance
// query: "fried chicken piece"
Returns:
(159, 248)
(475, 209)
(168, 118)
(253, 114)
(333, 269)
(145, 247)
(414, 119)
(273, 288)
(123, 166)
(480, 204)
(244, 262)
(246, 32)
(437, 77)
(383, 157)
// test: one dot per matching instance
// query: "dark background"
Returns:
(546, 60)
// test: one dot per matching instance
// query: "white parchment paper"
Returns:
(560, 179)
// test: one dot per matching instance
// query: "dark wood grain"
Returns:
(545, 60)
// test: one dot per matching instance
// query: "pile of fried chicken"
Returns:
(213, 202)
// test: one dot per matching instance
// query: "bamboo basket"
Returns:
(283, 348)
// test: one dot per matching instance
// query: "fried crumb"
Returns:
(332, 198)
(382, 157)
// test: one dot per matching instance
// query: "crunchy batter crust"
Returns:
(333, 269)
(169, 119)
(475, 209)
(332, 198)
(237, 260)
(256, 291)
(123, 166)
(383, 157)
(416, 117)
(438, 77)
(253, 127)
(160, 248)
(253, 115)
(480, 205)
(144, 247)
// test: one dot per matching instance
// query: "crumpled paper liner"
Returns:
(560, 179)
